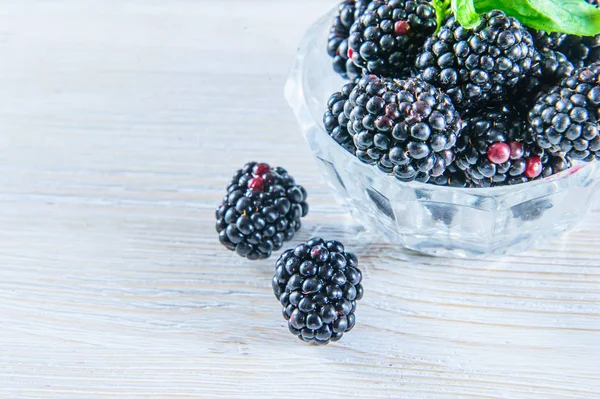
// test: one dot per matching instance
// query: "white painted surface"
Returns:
(120, 123)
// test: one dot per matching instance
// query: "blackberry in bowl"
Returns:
(407, 127)
(495, 149)
(386, 38)
(476, 66)
(337, 44)
(446, 216)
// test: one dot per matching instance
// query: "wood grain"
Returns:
(121, 122)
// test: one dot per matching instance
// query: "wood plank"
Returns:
(121, 124)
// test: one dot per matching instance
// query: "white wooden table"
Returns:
(120, 124)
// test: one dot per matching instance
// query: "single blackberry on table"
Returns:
(318, 284)
(549, 68)
(477, 66)
(493, 149)
(565, 121)
(261, 210)
(406, 127)
(336, 122)
(337, 45)
(386, 39)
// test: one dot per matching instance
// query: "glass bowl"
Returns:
(439, 221)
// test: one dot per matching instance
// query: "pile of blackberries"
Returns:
(497, 104)
(426, 100)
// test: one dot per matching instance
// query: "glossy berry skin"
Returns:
(406, 127)
(494, 149)
(586, 81)
(476, 67)
(452, 177)
(564, 122)
(549, 68)
(387, 39)
(498, 153)
(336, 122)
(337, 44)
(547, 41)
(533, 167)
(553, 164)
(582, 51)
(318, 284)
(262, 210)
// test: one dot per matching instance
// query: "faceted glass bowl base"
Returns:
(439, 221)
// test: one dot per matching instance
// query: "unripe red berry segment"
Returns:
(498, 153)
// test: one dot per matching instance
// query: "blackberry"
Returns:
(565, 121)
(554, 66)
(585, 80)
(549, 68)
(493, 149)
(318, 284)
(477, 66)
(452, 177)
(387, 39)
(547, 40)
(336, 122)
(406, 127)
(582, 50)
(337, 45)
(553, 164)
(261, 210)
(539, 159)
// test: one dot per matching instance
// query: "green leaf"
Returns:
(575, 17)
(465, 13)
(442, 8)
